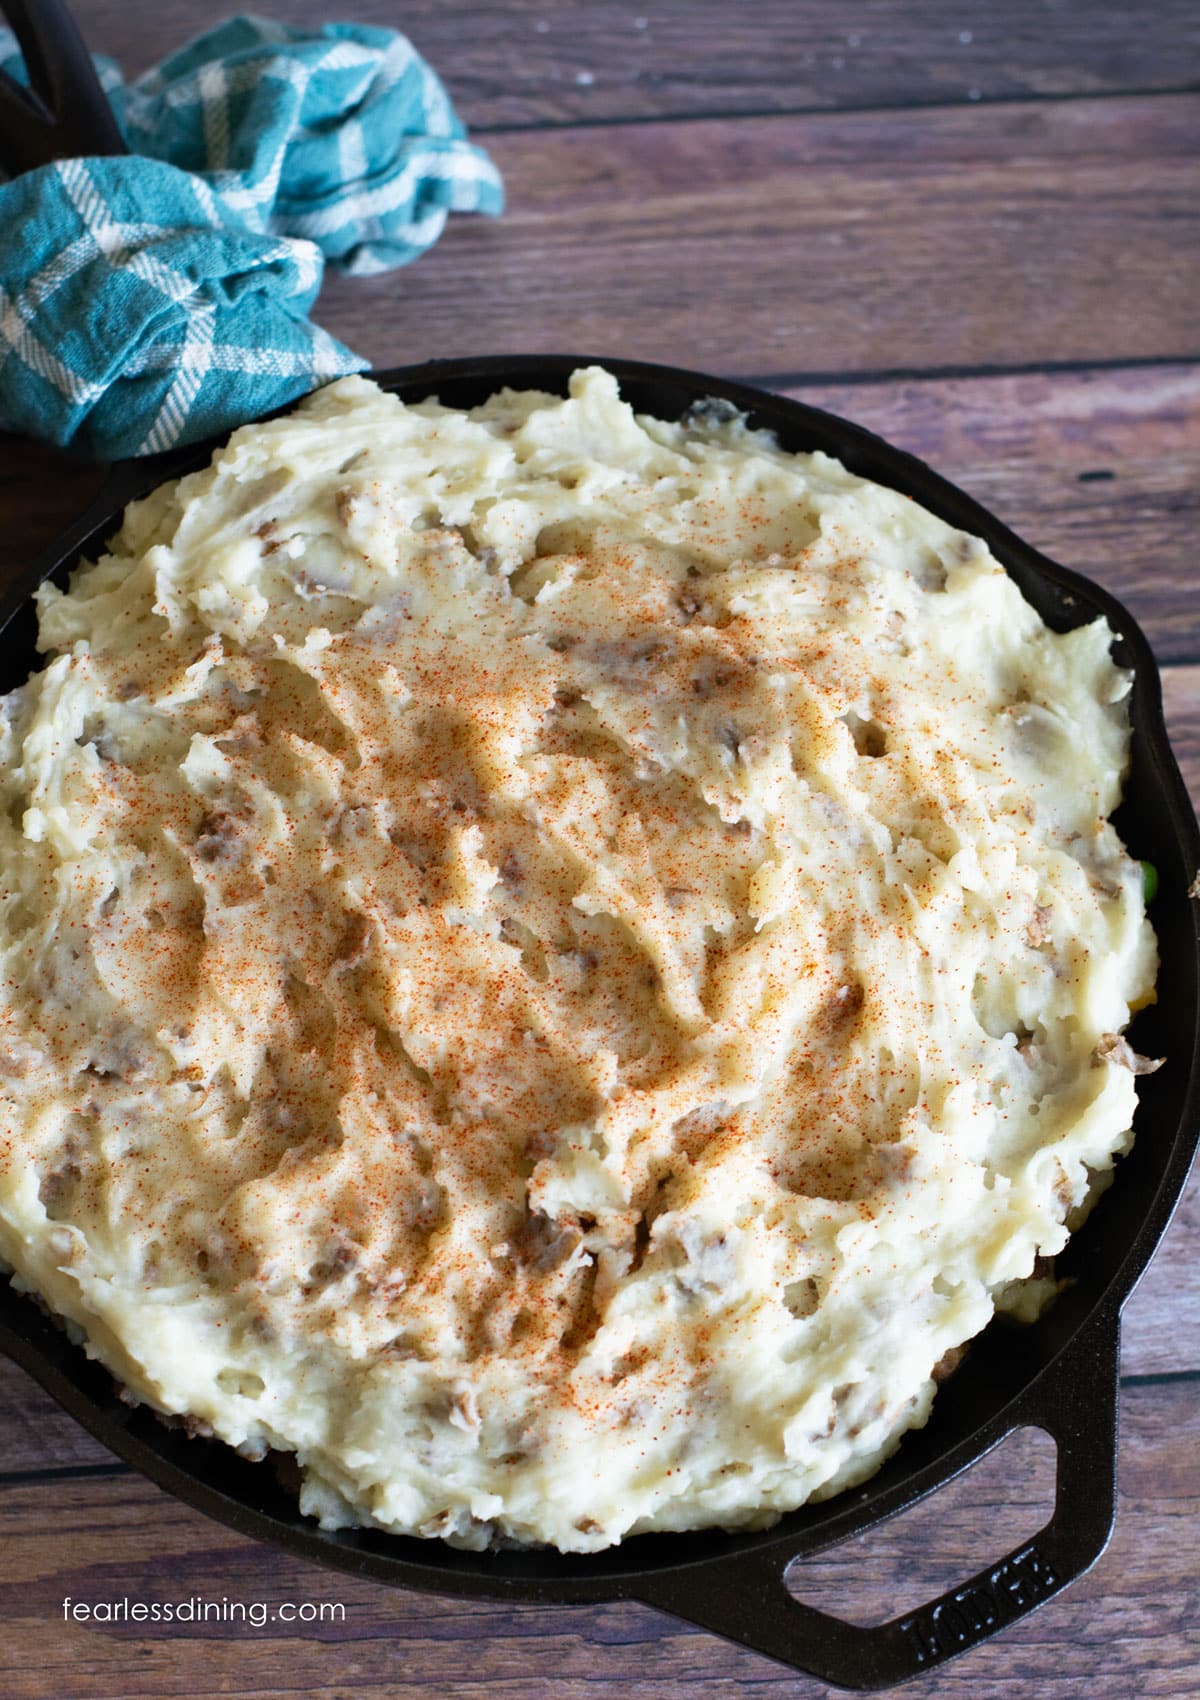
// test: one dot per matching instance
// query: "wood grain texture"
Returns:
(850, 243)
(1181, 702)
(554, 61)
(36, 1435)
(105, 1539)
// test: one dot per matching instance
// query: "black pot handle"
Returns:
(64, 112)
(1075, 1401)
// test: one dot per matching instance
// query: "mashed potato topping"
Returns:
(556, 965)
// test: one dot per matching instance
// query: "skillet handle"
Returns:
(64, 112)
(1075, 1401)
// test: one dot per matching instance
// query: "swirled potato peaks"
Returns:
(556, 965)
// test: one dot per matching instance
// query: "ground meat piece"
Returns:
(948, 1363)
(542, 1243)
(216, 837)
(1113, 1048)
(353, 941)
(1038, 929)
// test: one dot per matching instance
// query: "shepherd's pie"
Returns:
(557, 965)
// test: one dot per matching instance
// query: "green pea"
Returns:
(1149, 881)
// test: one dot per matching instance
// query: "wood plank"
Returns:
(853, 243)
(1160, 1331)
(1181, 704)
(103, 1540)
(36, 1434)
(549, 61)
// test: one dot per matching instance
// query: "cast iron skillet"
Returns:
(1059, 1375)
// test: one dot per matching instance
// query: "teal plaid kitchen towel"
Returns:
(159, 298)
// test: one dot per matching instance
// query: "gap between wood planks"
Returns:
(703, 115)
(839, 378)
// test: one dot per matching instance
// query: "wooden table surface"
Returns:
(974, 228)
